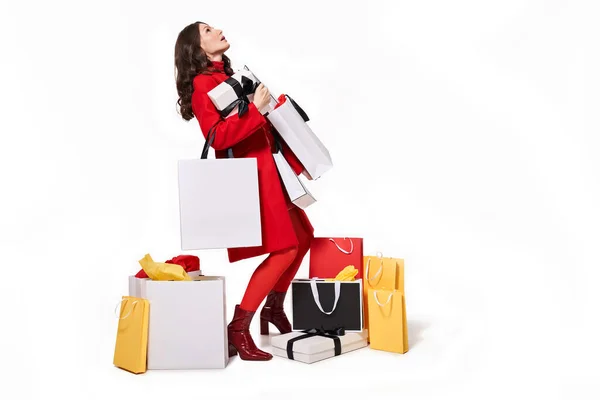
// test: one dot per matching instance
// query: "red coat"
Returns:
(250, 136)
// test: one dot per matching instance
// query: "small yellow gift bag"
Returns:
(381, 273)
(132, 335)
(388, 329)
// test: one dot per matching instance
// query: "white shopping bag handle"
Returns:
(315, 293)
(377, 300)
(380, 256)
(342, 250)
(119, 306)
(298, 109)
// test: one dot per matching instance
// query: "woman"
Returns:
(286, 231)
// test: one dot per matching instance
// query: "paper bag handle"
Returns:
(380, 256)
(315, 293)
(210, 138)
(342, 250)
(299, 109)
(377, 299)
(119, 306)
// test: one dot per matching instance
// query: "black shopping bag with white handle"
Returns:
(328, 305)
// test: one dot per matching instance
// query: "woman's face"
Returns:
(212, 41)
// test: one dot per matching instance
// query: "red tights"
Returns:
(278, 270)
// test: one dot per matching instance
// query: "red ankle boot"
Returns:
(273, 312)
(240, 340)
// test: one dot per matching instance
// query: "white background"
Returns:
(465, 140)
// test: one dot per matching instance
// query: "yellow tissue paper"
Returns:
(158, 271)
(347, 274)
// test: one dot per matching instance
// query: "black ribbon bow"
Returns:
(242, 91)
(331, 334)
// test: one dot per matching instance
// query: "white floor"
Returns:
(490, 349)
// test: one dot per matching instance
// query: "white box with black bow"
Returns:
(327, 305)
(313, 345)
(235, 94)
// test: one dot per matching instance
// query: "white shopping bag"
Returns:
(187, 326)
(298, 193)
(290, 121)
(219, 203)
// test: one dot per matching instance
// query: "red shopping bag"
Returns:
(328, 256)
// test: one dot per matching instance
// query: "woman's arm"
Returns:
(229, 131)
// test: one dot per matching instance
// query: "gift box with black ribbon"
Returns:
(234, 95)
(314, 345)
(327, 304)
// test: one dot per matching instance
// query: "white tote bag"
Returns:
(298, 193)
(219, 204)
(290, 121)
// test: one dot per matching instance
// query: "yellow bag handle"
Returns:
(377, 299)
(119, 306)
(380, 256)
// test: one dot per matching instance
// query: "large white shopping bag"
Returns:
(298, 193)
(187, 327)
(290, 121)
(219, 202)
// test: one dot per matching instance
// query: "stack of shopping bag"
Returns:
(173, 318)
(207, 222)
(348, 301)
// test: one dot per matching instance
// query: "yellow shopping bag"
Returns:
(132, 335)
(381, 273)
(388, 329)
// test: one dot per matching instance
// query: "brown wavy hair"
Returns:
(191, 60)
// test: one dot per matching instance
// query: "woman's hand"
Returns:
(261, 96)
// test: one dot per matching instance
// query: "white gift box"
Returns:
(298, 193)
(292, 127)
(316, 348)
(231, 89)
(187, 327)
(219, 203)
